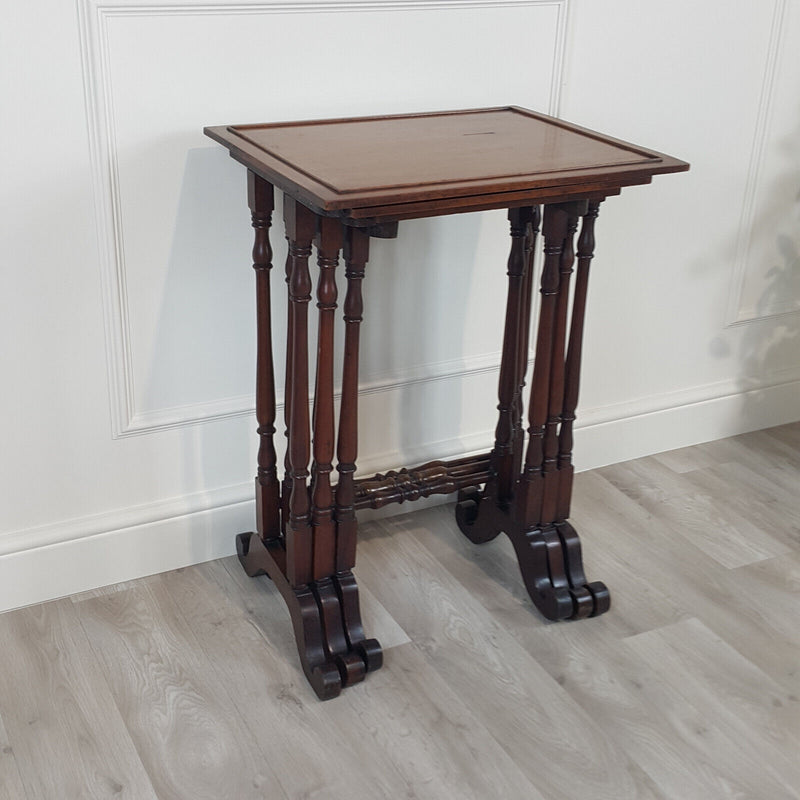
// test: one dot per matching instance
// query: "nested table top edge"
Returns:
(451, 196)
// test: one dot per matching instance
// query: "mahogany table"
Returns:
(345, 181)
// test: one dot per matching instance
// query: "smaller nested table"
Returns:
(345, 181)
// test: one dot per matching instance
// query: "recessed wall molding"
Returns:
(741, 309)
(101, 105)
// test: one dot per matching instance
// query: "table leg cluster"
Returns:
(530, 502)
(306, 534)
(305, 538)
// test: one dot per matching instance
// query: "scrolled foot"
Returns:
(474, 516)
(371, 652)
(467, 507)
(554, 604)
(592, 599)
(325, 680)
(582, 603)
(368, 650)
(252, 562)
(352, 668)
(601, 597)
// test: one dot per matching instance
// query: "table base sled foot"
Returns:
(325, 615)
(475, 517)
(599, 600)
(369, 649)
(549, 557)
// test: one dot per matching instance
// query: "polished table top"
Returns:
(396, 167)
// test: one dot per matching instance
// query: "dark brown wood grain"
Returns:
(531, 240)
(508, 401)
(300, 229)
(586, 245)
(261, 202)
(286, 485)
(556, 398)
(474, 152)
(532, 481)
(435, 477)
(356, 254)
(329, 243)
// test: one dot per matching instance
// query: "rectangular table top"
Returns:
(417, 164)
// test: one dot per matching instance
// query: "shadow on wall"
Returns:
(770, 346)
(203, 346)
(203, 337)
(414, 319)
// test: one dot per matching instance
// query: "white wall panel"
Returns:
(766, 281)
(172, 204)
(127, 311)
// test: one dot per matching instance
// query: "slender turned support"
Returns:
(312, 563)
(546, 545)
(300, 229)
(550, 477)
(261, 202)
(329, 242)
(350, 664)
(286, 486)
(510, 366)
(586, 244)
(524, 336)
(531, 482)
(590, 599)
(356, 254)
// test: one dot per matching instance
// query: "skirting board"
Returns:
(48, 571)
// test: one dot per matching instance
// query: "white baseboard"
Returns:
(53, 561)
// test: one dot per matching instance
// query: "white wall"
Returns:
(127, 303)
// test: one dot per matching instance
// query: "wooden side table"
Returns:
(346, 180)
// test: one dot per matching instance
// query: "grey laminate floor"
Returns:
(186, 685)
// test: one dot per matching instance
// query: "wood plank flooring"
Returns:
(186, 686)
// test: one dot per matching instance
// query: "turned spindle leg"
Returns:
(531, 486)
(287, 560)
(582, 599)
(535, 515)
(538, 550)
(600, 598)
(524, 334)
(261, 202)
(329, 242)
(520, 219)
(556, 389)
(300, 229)
(572, 368)
(286, 485)
(350, 664)
(356, 253)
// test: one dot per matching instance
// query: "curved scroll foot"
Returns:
(601, 597)
(326, 616)
(591, 599)
(582, 602)
(350, 665)
(253, 564)
(476, 525)
(369, 650)
(326, 681)
(535, 550)
(323, 673)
